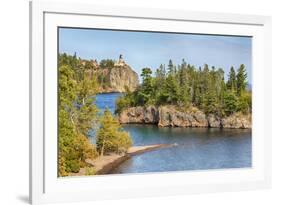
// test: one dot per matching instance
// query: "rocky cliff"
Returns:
(165, 116)
(123, 76)
(117, 78)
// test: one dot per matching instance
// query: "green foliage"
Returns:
(107, 63)
(210, 103)
(90, 171)
(146, 91)
(241, 79)
(230, 103)
(76, 115)
(110, 136)
(171, 90)
(245, 102)
(67, 86)
(103, 80)
(187, 87)
(232, 83)
(86, 109)
(125, 101)
(72, 165)
(170, 67)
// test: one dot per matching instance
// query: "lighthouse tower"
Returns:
(120, 62)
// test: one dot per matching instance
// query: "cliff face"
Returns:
(121, 77)
(166, 116)
(118, 78)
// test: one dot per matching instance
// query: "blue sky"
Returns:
(146, 49)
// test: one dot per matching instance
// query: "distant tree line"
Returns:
(78, 114)
(186, 86)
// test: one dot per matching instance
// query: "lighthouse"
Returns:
(120, 61)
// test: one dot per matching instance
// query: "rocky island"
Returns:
(188, 97)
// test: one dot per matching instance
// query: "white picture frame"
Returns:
(46, 187)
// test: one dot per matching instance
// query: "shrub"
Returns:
(90, 171)
(107, 63)
(122, 103)
(245, 103)
(72, 166)
(110, 136)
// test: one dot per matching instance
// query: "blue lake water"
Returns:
(198, 148)
(107, 100)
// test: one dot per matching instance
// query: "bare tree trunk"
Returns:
(72, 120)
(102, 148)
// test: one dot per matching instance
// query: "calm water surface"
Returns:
(197, 148)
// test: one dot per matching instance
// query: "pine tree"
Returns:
(241, 79)
(230, 102)
(147, 85)
(160, 72)
(210, 102)
(172, 90)
(185, 86)
(232, 83)
(245, 102)
(110, 136)
(170, 67)
(74, 147)
(86, 109)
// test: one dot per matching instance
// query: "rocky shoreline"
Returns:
(169, 116)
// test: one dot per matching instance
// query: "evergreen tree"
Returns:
(187, 86)
(210, 102)
(146, 90)
(86, 109)
(241, 79)
(110, 136)
(161, 73)
(230, 103)
(182, 72)
(172, 90)
(245, 102)
(74, 147)
(232, 83)
(170, 67)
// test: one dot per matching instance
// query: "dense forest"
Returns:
(187, 87)
(78, 114)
